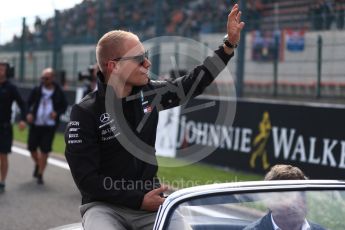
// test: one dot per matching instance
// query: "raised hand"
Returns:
(234, 25)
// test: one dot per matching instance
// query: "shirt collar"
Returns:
(101, 85)
(305, 225)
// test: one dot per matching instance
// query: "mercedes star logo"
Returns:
(105, 117)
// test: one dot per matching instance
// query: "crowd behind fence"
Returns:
(318, 70)
(84, 23)
(271, 66)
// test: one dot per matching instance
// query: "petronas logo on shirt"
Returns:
(148, 109)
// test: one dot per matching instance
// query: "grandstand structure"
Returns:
(296, 73)
(84, 23)
(286, 14)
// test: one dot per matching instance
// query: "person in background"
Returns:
(46, 103)
(90, 81)
(8, 94)
(289, 210)
(285, 172)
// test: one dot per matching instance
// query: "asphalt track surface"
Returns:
(27, 205)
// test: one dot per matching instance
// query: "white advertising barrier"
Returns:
(167, 131)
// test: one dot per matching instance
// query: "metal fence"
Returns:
(271, 61)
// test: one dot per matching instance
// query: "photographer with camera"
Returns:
(8, 94)
(89, 79)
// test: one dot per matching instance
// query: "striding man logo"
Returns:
(260, 142)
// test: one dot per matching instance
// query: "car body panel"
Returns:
(207, 194)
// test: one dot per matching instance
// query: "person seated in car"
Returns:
(288, 210)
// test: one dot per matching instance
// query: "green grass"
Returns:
(199, 174)
(327, 209)
(177, 177)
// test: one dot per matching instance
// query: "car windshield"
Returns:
(324, 209)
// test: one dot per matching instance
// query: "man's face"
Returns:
(290, 211)
(47, 78)
(2, 73)
(129, 70)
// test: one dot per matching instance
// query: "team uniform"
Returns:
(8, 94)
(99, 143)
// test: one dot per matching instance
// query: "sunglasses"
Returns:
(139, 58)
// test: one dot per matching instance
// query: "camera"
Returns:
(10, 71)
(87, 75)
(88, 79)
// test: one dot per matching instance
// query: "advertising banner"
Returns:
(167, 132)
(295, 40)
(264, 45)
(264, 134)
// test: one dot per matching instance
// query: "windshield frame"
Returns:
(166, 211)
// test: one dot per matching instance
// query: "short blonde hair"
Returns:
(109, 45)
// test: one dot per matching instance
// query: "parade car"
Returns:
(243, 205)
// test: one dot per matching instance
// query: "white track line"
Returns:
(51, 161)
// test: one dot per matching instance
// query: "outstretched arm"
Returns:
(234, 27)
(180, 90)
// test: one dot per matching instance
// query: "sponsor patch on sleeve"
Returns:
(73, 133)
